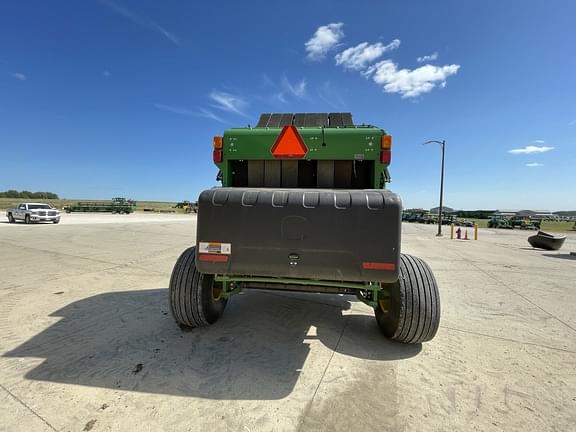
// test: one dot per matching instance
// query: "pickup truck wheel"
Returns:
(411, 313)
(194, 299)
(56, 221)
(11, 218)
(27, 219)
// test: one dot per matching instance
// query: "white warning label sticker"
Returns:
(215, 248)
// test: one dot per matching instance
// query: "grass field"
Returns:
(6, 203)
(546, 225)
(557, 226)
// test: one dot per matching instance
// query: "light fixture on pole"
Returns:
(442, 145)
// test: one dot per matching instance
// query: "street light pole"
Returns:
(442, 145)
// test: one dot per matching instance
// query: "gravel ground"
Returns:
(88, 343)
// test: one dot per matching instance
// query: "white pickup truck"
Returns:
(33, 212)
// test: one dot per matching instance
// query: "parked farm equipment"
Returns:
(303, 207)
(115, 205)
(499, 222)
(511, 222)
(524, 222)
(187, 206)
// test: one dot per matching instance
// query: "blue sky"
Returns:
(122, 98)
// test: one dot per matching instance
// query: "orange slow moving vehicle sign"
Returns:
(289, 144)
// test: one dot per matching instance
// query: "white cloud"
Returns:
(210, 115)
(534, 164)
(19, 76)
(325, 38)
(279, 96)
(531, 149)
(285, 89)
(572, 123)
(539, 141)
(106, 74)
(360, 56)
(297, 89)
(228, 102)
(431, 57)
(202, 112)
(141, 21)
(410, 83)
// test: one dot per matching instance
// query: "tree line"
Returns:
(28, 194)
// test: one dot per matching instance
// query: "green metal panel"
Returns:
(322, 143)
(350, 143)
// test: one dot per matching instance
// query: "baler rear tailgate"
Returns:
(339, 235)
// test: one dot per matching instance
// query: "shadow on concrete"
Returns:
(255, 352)
(565, 256)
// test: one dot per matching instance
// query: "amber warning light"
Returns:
(386, 149)
(289, 144)
(217, 152)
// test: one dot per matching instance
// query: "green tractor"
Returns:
(303, 207)
(525, 223)
(499, 222)
(187, 206)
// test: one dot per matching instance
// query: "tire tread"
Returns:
(187, 291)
(418, 303)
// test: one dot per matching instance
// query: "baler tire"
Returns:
(413, 314)
(191, 295)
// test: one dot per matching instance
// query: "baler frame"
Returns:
(369, 293)
(300, 196)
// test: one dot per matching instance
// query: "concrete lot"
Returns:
(84, 303)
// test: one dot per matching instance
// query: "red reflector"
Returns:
(213, 258)
(378, 266)
(289, 144)
(217, 155)
(386, 156)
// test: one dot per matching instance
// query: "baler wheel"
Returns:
(192, 298)
(411, 313)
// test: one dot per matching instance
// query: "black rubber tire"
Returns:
(11, 218)
(55, 221)
(27, 219)
(190, 294)
(414, 308)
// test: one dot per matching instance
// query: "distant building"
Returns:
(506, 213)
(545, 216)
(445, 210)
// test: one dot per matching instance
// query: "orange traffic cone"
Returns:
(466, 235)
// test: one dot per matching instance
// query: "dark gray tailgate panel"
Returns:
(340, 235)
